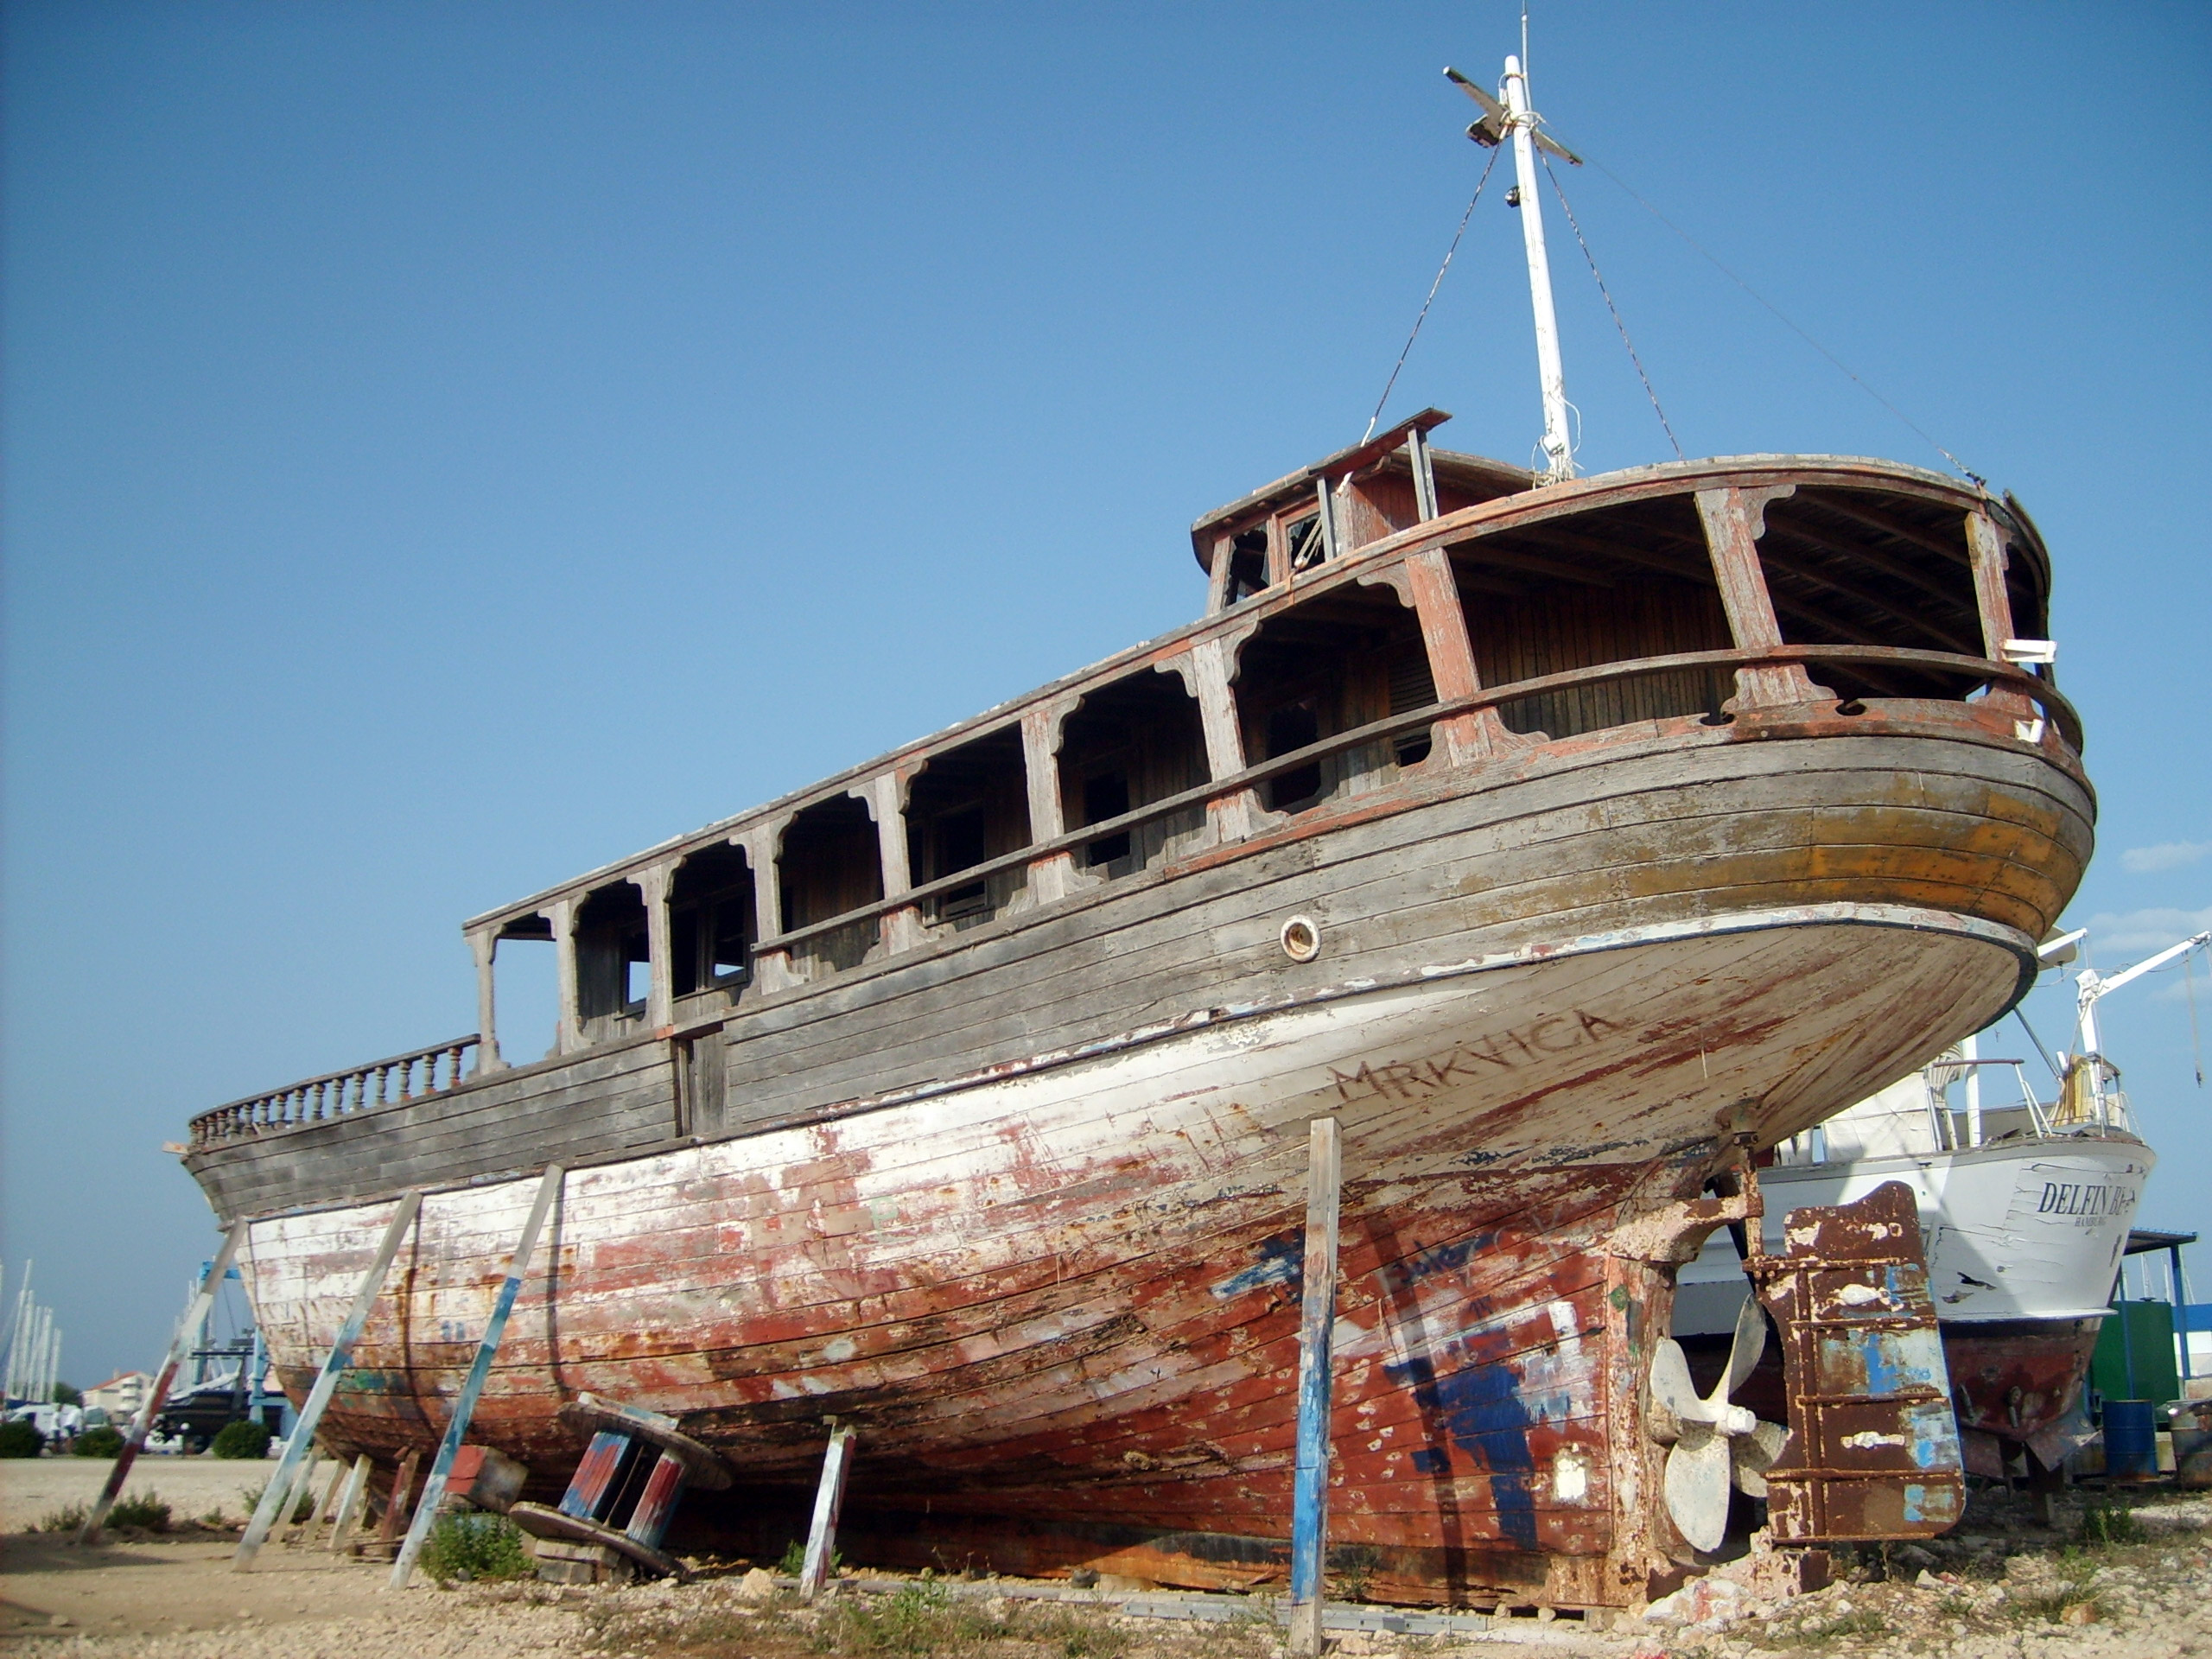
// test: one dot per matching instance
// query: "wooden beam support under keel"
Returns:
(829, 1499)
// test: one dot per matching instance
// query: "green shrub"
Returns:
(98, 1443)
(465, 1546)
(2104, 1523)
(62, 1520)
(65, 1396)
(143, 1511)
(19, 1438)
(794, 1561)
(303, 1503)
(245, 1439)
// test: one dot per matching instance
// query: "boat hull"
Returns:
(1071, 1296)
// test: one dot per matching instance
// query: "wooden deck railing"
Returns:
(381, 1082)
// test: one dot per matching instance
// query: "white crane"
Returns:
(2090, 988)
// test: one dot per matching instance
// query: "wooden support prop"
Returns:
(1309, 1523)
(350, 1503)
(300, 1491)
(333, 1367)
(188, 1332)
(828, 1498)
(495, 1328)
(395, 1507)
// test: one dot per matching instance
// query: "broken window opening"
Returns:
(1135, 741)
(831, 861)
(1308, 547)
(613, 973)
(1247, 565)
(1106, 795)
(710, 923)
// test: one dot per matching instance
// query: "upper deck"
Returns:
(1391, 611)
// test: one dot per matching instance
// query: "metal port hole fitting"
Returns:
(1301, 938)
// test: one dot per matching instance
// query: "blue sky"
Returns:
(448, 447)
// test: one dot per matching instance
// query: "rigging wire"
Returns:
(2038, 1041)
(1712, 259)
(1606, 294)
(1431, 300)
(2196, 1040)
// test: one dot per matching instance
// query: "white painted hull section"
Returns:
(2030, 1230)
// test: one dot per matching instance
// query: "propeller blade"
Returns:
(1673, 1395)
(1745, 1351)
(1756, 1454)
(1697, 1487)
(1558, 149)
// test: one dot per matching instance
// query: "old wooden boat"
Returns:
(1564, 839)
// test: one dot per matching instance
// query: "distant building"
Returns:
(122, 1394)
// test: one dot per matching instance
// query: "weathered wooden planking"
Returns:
(627, 1309)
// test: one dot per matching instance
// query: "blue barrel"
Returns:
(2130, 1441)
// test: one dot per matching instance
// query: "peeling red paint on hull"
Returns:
(1071, 1296)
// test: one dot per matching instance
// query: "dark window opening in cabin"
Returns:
(831, 862)
(1290, 728)
(1413, 685)
(710, 921)
(614, 973)
(1610, 586)
(1337, 661)
(1105, 795)
(1308, 546)
(1127, 745)
(968, 806)
(1850, 567)
(1248, 564)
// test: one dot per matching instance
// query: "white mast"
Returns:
(1520, 123)
(1515, 121)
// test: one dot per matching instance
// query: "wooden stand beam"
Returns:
(274, 1496)
(495, 1328)
(1309, 1525)
(188, 1332)
(351, 1504)
(828, 1498)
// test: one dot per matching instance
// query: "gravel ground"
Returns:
(2136, 1584)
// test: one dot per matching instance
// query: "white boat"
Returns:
(2025, 1207)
